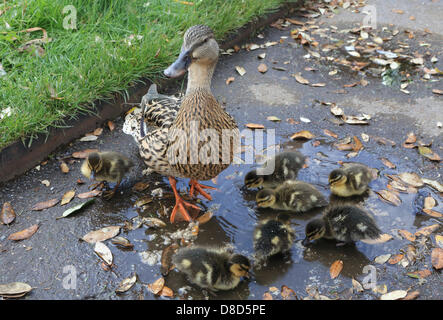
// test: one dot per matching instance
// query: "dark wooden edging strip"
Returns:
(16, 159)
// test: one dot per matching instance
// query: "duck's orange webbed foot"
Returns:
(180, 204)
(198, 188)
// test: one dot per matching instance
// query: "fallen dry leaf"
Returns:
(97, 131)
(437, 258)
(396, 259)
(411, 138)
(89, 194)
(7, 215)
(300, 79)
(166, 258)
(205, 217)
(229, 80)
(420, 274)
(255, 126)
(428, 153)
(241, 71)
(383, 238)
(24, 234)
(44, 205)
(46, 182)
(287, 293)
(75, 208)
(357, 285)
(14, 289)
(273, 119)
(103, 252)
(336, 268)
(426, 231)
(407, 235)
(336, 111)
(411, 178)
(437, 91)
(140, 186)
(357, 146)
(389, 197)
(262, 68)
(321, 84)
(101, 234)
(388, 163)
(126, 284)
(67, 197)
(429, 203)
(411, 295)
(304, 134)
(166, 292)
(267, 296)
(330, 133)
(64, 167)
(157, 285)
(433, 213)
(394, 295)
(111, 125)
(83, 154)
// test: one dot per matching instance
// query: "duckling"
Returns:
(351, 180)
(344, 223)
(106, 166)
(212, 268)
(272, 236)
(296, 196)
(287, 165)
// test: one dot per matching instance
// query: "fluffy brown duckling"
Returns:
(287, 165)
(106, 166)
(271, 237)
(344, 223)
(212, 268)
(351, 180)
(295, 196)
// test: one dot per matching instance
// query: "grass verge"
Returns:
(114, 44)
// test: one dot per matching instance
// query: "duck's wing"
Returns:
(158, 109)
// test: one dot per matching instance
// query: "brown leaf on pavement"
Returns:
(7, 214)
(44, 205)
(336, 268)
(24, 234)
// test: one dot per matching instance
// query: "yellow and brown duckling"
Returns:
(271, 237)
(295, 196)
(344, 223)
(351, 180)
(167, 150)
(106, 166)
(287, 164)
(212, 268)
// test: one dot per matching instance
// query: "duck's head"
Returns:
(199, 46)
(315, 229)
(265, 198)
(252, 180)
(337, 177)
(239, 265)
(92, 165)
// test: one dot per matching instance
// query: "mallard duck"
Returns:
(296, 196)
(108, 166)
(192, 146)
(286, 167)
(212, 268)
(272, 236)
(344, 223)
(351, 180)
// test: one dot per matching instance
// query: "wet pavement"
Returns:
(41, 259)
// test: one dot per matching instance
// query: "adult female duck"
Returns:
(193, 144)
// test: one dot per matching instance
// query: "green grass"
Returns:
(89, 63)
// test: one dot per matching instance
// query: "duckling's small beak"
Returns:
(93, 174)
(180, 66)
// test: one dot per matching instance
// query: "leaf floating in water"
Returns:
(126, 284)
(434, 184)
(407, 235)
(157, 285)
(205, 217)
(123, 242)
(357, 285)
(437, 258)
(7, 215)
(140, 186)
(273, 119)
(75, 208)
(304, 134)
(287, 293)
(101, 234)
(255, 126)
(388, 163)
(14, 289)
(166, 258)
(396, 259)
(383, 238)
(45, 205)
(166, 292)
(389, 197)
(336, 111)
(67, 197)
(433, 213)
(336, 268)
(429, 203)
(300, 79)
(330, 133)
(103, 252)
(428, 153)
(267, 296)
(411, 178)
(24, 234)
(426, 231)
(420, 274)
(412, 295)
(153, 222)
